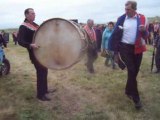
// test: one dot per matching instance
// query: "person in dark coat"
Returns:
(157, 55)
(2, 43)
(98, 31)
(25, 37)
(92, 46)
(14, 36)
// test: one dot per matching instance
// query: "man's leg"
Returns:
(132, 62)
(42, 87)
(91, 57)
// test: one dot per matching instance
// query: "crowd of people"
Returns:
(123, 43)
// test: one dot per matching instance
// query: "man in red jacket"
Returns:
(128, 41)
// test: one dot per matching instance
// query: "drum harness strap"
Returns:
(30, 26)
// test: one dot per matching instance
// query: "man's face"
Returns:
(31, 15)
(110, 26)
(91, 23)
(129, 10)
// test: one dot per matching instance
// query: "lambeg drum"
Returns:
(62, 43)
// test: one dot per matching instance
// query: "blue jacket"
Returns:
(116, 36)
(105, 38)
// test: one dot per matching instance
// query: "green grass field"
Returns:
(79, 95)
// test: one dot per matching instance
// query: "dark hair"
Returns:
(111, 23)
(27, 11)
(74, 20)
(2, 31)
(133, 4)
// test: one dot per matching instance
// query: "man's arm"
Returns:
(144, 29)
(22, 36)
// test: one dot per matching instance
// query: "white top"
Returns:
(129, 30)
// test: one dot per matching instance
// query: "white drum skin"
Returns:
(61, 43)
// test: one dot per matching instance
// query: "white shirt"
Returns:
(129, 30)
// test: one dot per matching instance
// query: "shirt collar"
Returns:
(134, 17)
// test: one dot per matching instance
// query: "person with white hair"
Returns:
(92, 47)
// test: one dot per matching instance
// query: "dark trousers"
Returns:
(91, 56)
(99, 41)
(110, 57)
(41, 73)
(155, 34)
(133, 62)
(157, 58)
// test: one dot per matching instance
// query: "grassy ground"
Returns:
(80, 95)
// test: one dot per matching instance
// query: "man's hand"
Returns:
(142, 28)
(34, 46)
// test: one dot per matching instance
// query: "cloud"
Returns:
(101, 11)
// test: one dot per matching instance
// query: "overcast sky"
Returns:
(102, 11)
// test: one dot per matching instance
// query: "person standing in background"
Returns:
(92, 47)
(105, 38)
(157, 55)
(98, 31)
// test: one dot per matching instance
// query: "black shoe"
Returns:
(129, 96)
(158, 71)
(91, 71)
(51, 91)
(121, 65)
(138, 105)
(44, 98)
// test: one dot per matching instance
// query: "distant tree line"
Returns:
(153, 19)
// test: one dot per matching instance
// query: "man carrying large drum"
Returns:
(25, 37)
